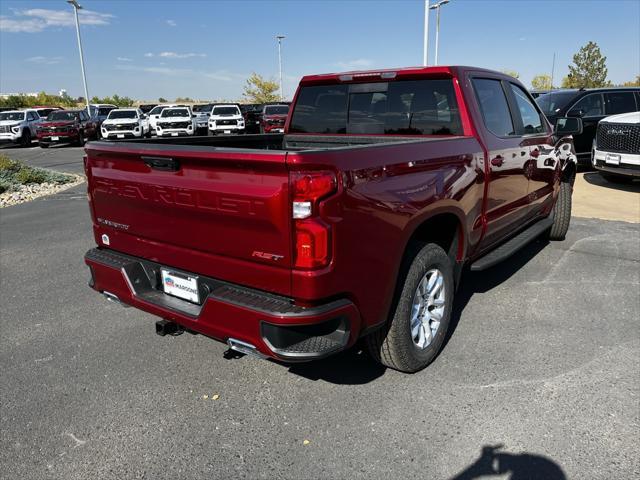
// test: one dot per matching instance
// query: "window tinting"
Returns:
(550, 103)
(591, 106)
(619, 102)
(494, 106)
(414, 107)
(530, 117)
(116, 114)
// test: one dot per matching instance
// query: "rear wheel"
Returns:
(25, 139)
(80, 141)
(561, 212)
(419, 323)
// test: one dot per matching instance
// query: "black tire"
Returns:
(561, 212)
(25, 139)
(393, 345)
(43, 145)
(80, 141)
(613, 178)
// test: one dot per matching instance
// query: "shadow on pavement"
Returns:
(626, 185)
(493, 463)
(356, 367)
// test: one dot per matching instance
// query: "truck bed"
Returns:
(281, 142)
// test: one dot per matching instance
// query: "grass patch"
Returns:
(14, 173)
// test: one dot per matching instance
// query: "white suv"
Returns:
(125, 123)
(175, 121)
(226, 119)
(154, 115)
(19, 126)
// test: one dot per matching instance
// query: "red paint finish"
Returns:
(226, 213)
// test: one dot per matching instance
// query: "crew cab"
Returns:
(154, 115)
(616, 148)
(66, 126)
(175, 121)
(19, 126)
(356, 222)
(273, 118)
(125, 123)
(226, 119)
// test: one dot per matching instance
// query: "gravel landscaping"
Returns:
(20, 183)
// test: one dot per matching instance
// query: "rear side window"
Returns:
(530, 117)
(494, 106)
(591, 106)
(414, 107)
(619, 102)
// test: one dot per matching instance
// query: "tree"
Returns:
(632, 83)
(541, 82)
(589, 69)
(162, 100)
(259, 90)
(114, 100)
(511, 73)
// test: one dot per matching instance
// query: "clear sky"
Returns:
(206, 49)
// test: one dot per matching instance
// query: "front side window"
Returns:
(494, 106)
(531, 120)
(591, 106)
(404, 107)
(619, 102)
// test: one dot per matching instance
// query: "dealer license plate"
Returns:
(227, 131)
(612, 159)
(55, 139)
(180, 285)
(121, 135)
(174, 134)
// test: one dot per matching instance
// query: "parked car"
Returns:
(175, 122)
(616, 148)
(357, 223)
(252, 113)
(146, 108)
(99, 113)
(66, 126)
(125, 123)
(273, 118)
(154, 115)
(201, 114)
(226, 119)
(19, 126)
(592, 105)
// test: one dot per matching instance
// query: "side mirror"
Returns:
(576, 113)
(568, 126)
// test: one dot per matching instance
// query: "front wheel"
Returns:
(80, 140)
(25, 139)
(419, 323)
(561, 212)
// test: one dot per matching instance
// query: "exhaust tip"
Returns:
(112, 297)
(244, 348)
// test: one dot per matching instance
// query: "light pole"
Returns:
(425, 50)
(280, 38)
(76, 7)
(436, 7)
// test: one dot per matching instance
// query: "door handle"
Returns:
(497, 161)
(161, 163)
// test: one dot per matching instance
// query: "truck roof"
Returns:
(394, 73)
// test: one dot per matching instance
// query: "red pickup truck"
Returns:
(356, 222)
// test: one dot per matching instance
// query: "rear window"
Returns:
(202, 108)
(409, 107)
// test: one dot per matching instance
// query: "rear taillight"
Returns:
(312, 235)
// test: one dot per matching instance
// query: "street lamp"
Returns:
(280, 38)
(436, 7)
(76, 7)
(425, 49)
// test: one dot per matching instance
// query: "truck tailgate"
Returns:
(218, 213)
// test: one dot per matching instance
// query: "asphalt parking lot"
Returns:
(539, 377)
